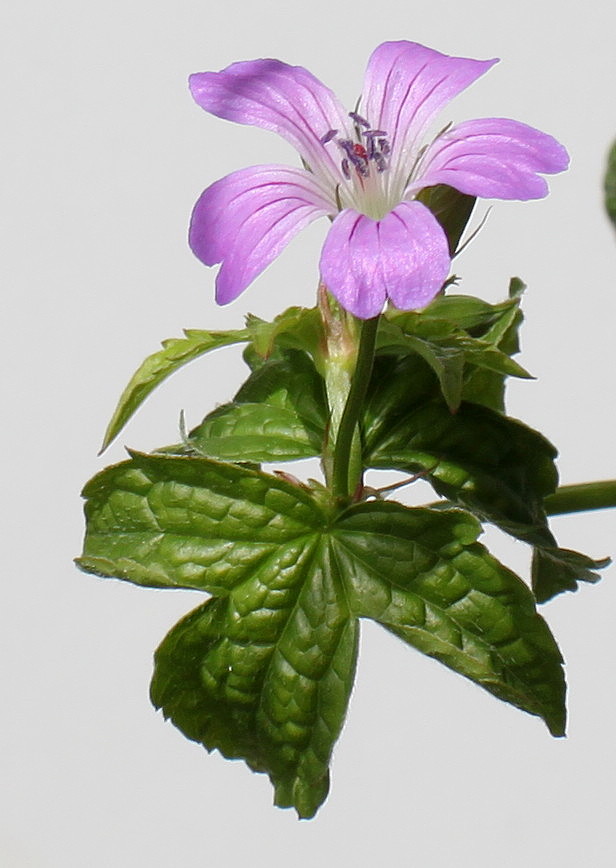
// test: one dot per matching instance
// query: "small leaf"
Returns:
(279, 414)
(447, 361)
(485, 355)
(176, 352)
(557, 570)
(295, 328)
(254, 432)
(610, 185)
(451, 208)
(420, 573)
(448, 365)
(487, 386)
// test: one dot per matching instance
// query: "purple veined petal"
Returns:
(403, 257)
(246, 219)
(406, 84)
(494, 158)
(275, 96)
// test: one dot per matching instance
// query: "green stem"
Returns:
(582, 497)
(342, 483)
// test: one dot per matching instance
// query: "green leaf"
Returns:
(487, 385)
(187, 522)
(495, 466)
(279, 414)
(448, 365)
(451, 208)
(265, 673)
(610, 185)
(483, 354)
(160, 365)
(254, 432)
(450, 312)
(264, 669)
(457, 335)
(557, 570)
(295, 328)
(447, 361)
(479, 459)
(421, 574)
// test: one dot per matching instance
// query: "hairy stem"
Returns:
(581, 497)
(344, 483)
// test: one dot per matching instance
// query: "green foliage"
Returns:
(175, 353)
(451, 208)
(467, 342)
(279, 414)
(264, 669)
(479, 459)
(295, 328)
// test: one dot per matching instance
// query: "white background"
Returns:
(106, 155)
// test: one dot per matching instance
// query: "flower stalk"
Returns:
(582, 497)
(347, 475)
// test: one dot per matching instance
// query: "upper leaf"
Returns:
(295, 328)
(279, 414)
(451, 208)
(157, 367)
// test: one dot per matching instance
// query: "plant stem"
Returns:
(342, 483)
(581, 497)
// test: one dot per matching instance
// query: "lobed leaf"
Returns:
(264, 669)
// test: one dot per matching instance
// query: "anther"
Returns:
(359, 120)
(345, 169)
(381, 162)
(329, 135)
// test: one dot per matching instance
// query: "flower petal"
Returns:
(494, 158)
(247, 218)
(403, 256)
(406, 84)
(275, 96)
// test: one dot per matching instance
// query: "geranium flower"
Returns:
(362, 170)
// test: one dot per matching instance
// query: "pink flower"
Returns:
(363, 170)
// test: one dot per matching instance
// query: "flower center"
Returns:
(364, 160)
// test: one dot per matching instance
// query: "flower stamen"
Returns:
(360, 155)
